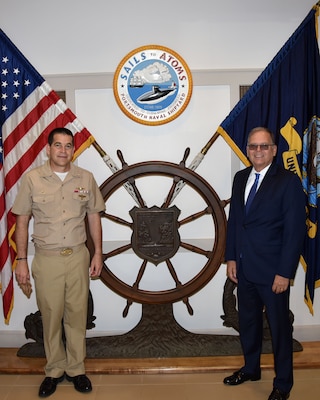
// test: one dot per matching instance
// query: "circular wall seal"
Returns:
(152, 85)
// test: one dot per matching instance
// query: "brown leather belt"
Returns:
(64, 251)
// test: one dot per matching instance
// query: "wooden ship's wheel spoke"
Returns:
(193, 217)
(196, 249)
(116, 219)
(116, 251)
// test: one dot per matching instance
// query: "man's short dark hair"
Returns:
(64, 131)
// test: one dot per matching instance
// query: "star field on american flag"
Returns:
(14, 89)
(16, 85)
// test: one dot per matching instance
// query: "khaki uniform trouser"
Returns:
(62, 288)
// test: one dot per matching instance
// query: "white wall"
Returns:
(77, 36)
(73, 37)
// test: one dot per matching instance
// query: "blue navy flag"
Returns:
(29, 110)
(285, 99)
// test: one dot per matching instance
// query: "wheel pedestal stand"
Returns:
(157, 335)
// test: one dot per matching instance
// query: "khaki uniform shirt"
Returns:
(58, 207)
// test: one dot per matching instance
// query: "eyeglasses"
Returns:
(59, 146)
(263, 146)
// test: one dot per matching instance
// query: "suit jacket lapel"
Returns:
(243, 184)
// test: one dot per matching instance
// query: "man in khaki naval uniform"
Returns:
(59, 195)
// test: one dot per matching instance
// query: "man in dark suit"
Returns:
(264, 242)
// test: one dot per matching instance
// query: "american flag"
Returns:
(30, 109)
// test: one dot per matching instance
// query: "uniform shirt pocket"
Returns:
(44, 204)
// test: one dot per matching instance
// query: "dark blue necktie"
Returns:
(252, 192)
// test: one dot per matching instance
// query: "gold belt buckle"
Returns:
(66, 252)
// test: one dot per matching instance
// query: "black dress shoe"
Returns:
(277, 394)
(239, 377)
(81, 383)
(49, 385)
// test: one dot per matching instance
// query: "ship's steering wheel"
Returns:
(162, 245)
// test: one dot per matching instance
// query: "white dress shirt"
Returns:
(252, 178)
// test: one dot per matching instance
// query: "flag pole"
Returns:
(195, 163)
(210, 143)
(114, 168)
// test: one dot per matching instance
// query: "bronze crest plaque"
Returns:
(155, 234)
